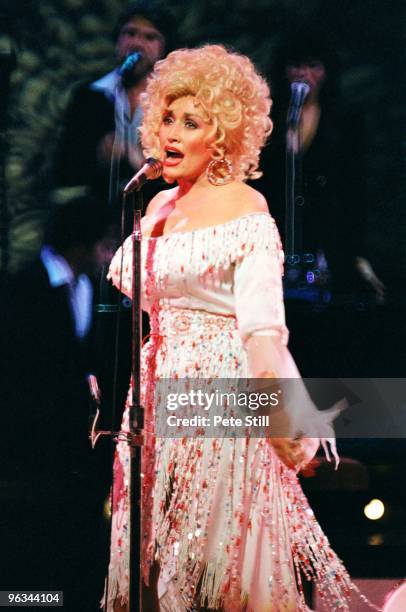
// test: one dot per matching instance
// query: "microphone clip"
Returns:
(129, 63)
(152, 169)
(300, 91)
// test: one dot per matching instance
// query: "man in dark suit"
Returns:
(100, 141)
(52, 523)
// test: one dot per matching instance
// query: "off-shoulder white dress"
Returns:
(227, 521)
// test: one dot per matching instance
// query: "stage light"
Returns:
(107, 509)
(376, 539)
(374, 510)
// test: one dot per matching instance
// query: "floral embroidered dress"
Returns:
(225, 518)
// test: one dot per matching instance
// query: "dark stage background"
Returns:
(59, 43)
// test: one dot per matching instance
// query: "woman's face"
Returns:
(311, 71)
(185, 136)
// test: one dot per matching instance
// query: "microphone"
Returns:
(152, 169)
(300, 90)
(129, 63)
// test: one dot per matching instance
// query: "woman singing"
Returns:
(224, 519)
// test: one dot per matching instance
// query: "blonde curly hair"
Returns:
(235, 98)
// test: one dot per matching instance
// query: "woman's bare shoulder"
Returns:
(160, 200)
(157, 212)
(243, 199)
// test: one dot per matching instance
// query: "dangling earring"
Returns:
(219, 171)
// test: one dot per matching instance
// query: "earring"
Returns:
(219, 171)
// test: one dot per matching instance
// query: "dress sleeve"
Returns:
(258, 284)
(260, 316)
(259, 304)
(120, 270)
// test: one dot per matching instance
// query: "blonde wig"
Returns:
(231, 93)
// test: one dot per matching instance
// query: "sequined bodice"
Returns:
(204, 270)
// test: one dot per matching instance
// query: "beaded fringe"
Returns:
(212, 250)
(177, 531)
(117, 585)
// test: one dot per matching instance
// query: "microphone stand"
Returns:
(293, 195)
(135, 440)
(134, 437)
(293, 187)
